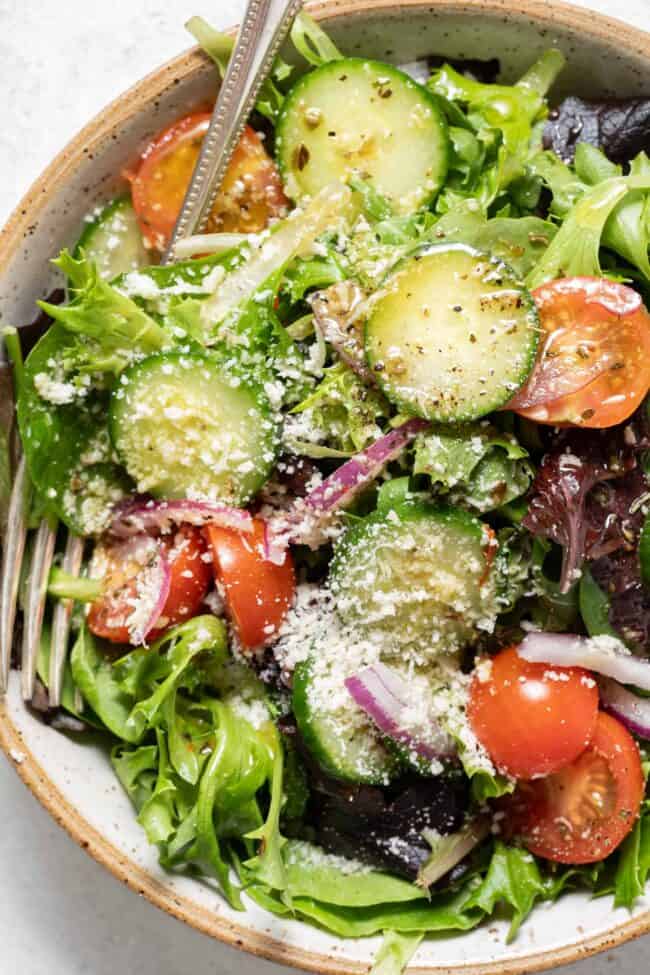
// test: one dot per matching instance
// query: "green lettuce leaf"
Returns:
(395, 953)
(315, 874)
(514, 880)
(633, 867)
(65, 437)
(94, 676)
(476, 465)
(310, 40)
(219, 47)
(109, 330)
(490, 150)
(342, 414)
(575, 250)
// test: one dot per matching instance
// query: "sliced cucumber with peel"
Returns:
(112, 239)
(355, 117)
(453, 335)
(339, 736)
(418, 575)
(187, 426)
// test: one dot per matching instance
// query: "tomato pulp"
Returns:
(109, 616)
(593, 365)
(258, 593)
(582, 813)
(251, 192)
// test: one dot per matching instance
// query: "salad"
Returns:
(364, 612)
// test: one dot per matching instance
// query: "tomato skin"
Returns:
(258, 593)
(582, 813)
(190, 579)
(251, 192)
(532, 719)
(593, 365)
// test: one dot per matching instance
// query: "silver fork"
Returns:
(263, 28)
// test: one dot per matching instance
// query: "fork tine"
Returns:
(42, 555)
(13, 551)
(74, 550)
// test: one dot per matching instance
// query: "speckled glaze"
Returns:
(74, 781)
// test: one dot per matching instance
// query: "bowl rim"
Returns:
(551, 13)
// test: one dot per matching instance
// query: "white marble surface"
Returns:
(60, 913)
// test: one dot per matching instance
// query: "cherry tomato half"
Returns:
(258, 593)
(251, 192)
(532, 719)
(593, 366)
(108, 616)
(581, 814)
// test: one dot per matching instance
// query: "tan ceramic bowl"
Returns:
(75, 782)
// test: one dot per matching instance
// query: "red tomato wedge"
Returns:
(191, 576)
(258, 593)
(251, 193)
(532, 719)
(581, 814)
(593, 366)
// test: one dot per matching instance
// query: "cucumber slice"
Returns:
(417, 576)
(186, 426)
(335, 730)
(113, 240)
(453, 336)
(367, 119)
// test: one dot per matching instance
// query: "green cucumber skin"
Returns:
(453, 616)
(407, 510)
(129, 383)
(336, 71)
(132, 253)
(329, 761)
(468, 410)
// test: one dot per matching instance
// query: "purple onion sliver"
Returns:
(138, 515)
(630, 709)
(603, 655)
(275, 549)
(384, 696)
(165, 573)
(364, 467)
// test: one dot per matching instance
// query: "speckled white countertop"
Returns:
(60, 913)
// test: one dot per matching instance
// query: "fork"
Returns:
(264, 26)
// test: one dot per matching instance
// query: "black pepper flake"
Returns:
(301, 157)
(458, 307)
(385, 92)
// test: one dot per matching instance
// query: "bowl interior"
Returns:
(74, 780)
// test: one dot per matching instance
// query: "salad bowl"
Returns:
(74, 781)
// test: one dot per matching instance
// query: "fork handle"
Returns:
(264, 27)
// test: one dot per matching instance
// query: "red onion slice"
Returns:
(384, 696)
(137, 515)
(602, 654)
(306, 521)
(153, 584)
(630, 709)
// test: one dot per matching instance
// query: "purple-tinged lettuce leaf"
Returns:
(564, 504)
(618, 574)
(620, 128)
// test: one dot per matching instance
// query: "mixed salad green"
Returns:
(365, 614)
